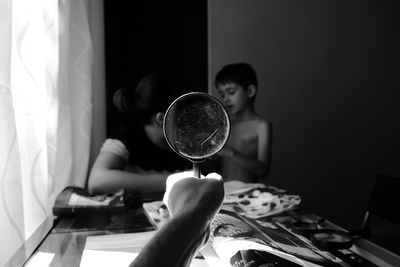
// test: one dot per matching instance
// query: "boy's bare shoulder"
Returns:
(257, 124)
(263, 125)
(260, 122)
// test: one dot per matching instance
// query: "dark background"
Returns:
(329, 80)
(146, 36)
(329, 77)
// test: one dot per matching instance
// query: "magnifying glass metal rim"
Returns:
(188, 95)
(195, 161)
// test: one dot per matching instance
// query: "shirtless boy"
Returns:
(246, 156)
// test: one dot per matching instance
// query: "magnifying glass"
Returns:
(196, 126)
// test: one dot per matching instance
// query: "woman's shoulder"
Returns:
(115, 146)
(113, 142)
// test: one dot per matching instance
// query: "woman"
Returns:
(137, 156)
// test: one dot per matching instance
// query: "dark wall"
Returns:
(329, 77)
(145, 36)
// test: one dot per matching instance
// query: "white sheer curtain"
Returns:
(46, 81)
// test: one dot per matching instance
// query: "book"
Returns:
(75, 200)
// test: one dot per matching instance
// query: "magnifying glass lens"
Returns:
(196, 126)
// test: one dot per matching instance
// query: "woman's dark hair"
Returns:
(154, 93)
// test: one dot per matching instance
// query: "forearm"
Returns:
(109, 181)
(192, 203)
(175, 244)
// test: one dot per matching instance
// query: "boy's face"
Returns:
(234, 96)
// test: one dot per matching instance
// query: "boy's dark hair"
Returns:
(240, 73)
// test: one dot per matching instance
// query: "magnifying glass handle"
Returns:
(196, 169)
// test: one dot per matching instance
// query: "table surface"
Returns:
(65, 238)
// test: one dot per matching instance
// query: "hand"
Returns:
(186, 194)
(192, 203)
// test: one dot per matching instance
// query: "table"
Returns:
(362, 249)
(65, 238)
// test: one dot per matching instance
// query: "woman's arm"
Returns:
(108, 175)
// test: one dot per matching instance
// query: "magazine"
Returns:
(240, 241)
(252, 200)
(74, 200)
(242, 235)
(257, 200)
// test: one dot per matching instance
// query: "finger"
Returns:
(213, 175)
